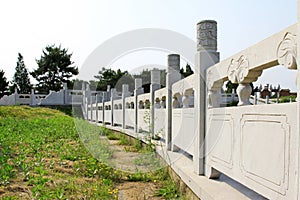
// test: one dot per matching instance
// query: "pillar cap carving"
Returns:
(207, 35)
(174, 61)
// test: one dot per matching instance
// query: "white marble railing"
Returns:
(62, 97)
(254, 144)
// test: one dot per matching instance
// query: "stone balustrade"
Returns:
(254, 143)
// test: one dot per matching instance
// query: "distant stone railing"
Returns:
(62, 97)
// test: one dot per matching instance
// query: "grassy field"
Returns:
(43, 157)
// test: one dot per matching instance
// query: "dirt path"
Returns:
(125, 160)
(138, 191)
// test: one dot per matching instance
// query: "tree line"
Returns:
(55, 67)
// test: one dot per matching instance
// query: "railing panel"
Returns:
(160, 112)
(107, 112)
(257, 146)
(129, 118)
(100, 115)
(94, 112)
(24, 99)
(107, 116)
(183, 129)
(159, 122)
(144, 120)
(118, 117)
(118, 112)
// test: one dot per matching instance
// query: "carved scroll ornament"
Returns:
(287, 51)
(238, 70)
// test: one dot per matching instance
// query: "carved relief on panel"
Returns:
(287, 51)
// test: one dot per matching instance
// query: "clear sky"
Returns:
(82, 25)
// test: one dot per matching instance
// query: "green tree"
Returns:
(76, 84)
(230, 87)
(21, 79)
(115, 79)
(233, 86)
(3, 84)
(187, 72)
(54, 68)
(145, 75)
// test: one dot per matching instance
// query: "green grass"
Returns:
(42, 154)
(41, 151)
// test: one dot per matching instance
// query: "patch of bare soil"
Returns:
(17, 190)
(138, 191)
(130, 161)
(127, 161)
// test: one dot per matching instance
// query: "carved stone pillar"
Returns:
(96, 108)
(33, 100)
(206, 56)
(155, 85)
(173, 75)
(125, 94)
(137, 91)
(103, 107)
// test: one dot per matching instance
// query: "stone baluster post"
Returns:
(65, 89)
(206, 56)
(173, 75)
(83, 86)
(108, 93)
(83, 99)
(155, 85)
(16, 96)
(267, 99)
(103, 107)
(91, 108)
(33, 100)
(255, 99)
(86, 107)
(137, 91)
(96, 108)
(125, 93)
(88, 98)
(113, 96)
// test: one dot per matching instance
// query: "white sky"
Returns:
(28, 26)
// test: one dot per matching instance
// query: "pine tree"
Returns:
(21, 78)
(54, 68)
(188, 70)
(3, 84)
